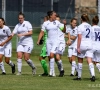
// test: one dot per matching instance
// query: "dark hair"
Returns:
(58, 15)
(21, 14)
(3, 20)
(85, 18)
(49, 13)
(46, 17)
(95, 20)
(73, 19)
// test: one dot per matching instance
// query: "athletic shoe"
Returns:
(34, 71)
(76, 74)
(61, 73)
(77, 79)
(44, 74)
(71, 75)
(93, 79)
(19, 73)
(3, 73)
(13, 69)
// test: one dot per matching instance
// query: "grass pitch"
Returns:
(28, 82)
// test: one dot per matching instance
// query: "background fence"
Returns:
(35, 10)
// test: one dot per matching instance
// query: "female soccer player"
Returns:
(84, 46)
(25, 45)
(96, 42)
(72, 49)
(51, 26)
(43, 54)
(5, 46)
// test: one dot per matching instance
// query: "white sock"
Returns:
(91, 68)
(52, 71)
(79, 70)
(76, 68)
(30, 63)
(60, 65)
(98, 66)
(2, 67)
(73, 67)
(19, 64)
(11, 63)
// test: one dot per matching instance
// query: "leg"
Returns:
(60, 65)
(19, 62)
(2, 64)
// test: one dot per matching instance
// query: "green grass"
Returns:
(28, 82)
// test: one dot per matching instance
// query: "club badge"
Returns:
(3, 31)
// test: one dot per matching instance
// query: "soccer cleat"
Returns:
(76, 74)
(77, 79)
(93, 79)
(3, 73)
(44, 74)
(19, 73)
(61, 73)
(34, 71)
(71, 75)
(13, 69)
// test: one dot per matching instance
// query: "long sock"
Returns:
(19, 64)
(73, 67)
(2, 67)
(44, 65)
(60, 65)
(91, 68)
(30, 63)
(76, 68)
(11, 63)
(79, 70)
(98, 66)
(52, 71)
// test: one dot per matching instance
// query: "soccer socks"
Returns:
(52, 71)
(19, 65)
(11, 63)
(44, 65)
(91, 68)
(73, 67)
(2, 67)
(98, 66)
(79, 70)
(60, 65)
(30, 63)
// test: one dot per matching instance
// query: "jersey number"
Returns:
(88, 30)
(97, 36)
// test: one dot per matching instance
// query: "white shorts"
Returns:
(51, 46)
(6, 51)
(86, 51)
(72, 51)
(25, 48)
(96, 54)
(61, 48)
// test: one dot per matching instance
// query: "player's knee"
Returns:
(51, 55)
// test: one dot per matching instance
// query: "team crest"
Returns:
(3, 31)
(54, 23)
(23, 25)
(73, 31)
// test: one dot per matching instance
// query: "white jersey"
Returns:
(52, 29)
(86, 31)
(25, 27)
(96, 36)
(5, 32)
(73, 32)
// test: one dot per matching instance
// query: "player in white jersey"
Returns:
(25, 45)
(96, 42)
(72, 49)
(61, 48)
(5, 46)
(84, 47)
(51, 26)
